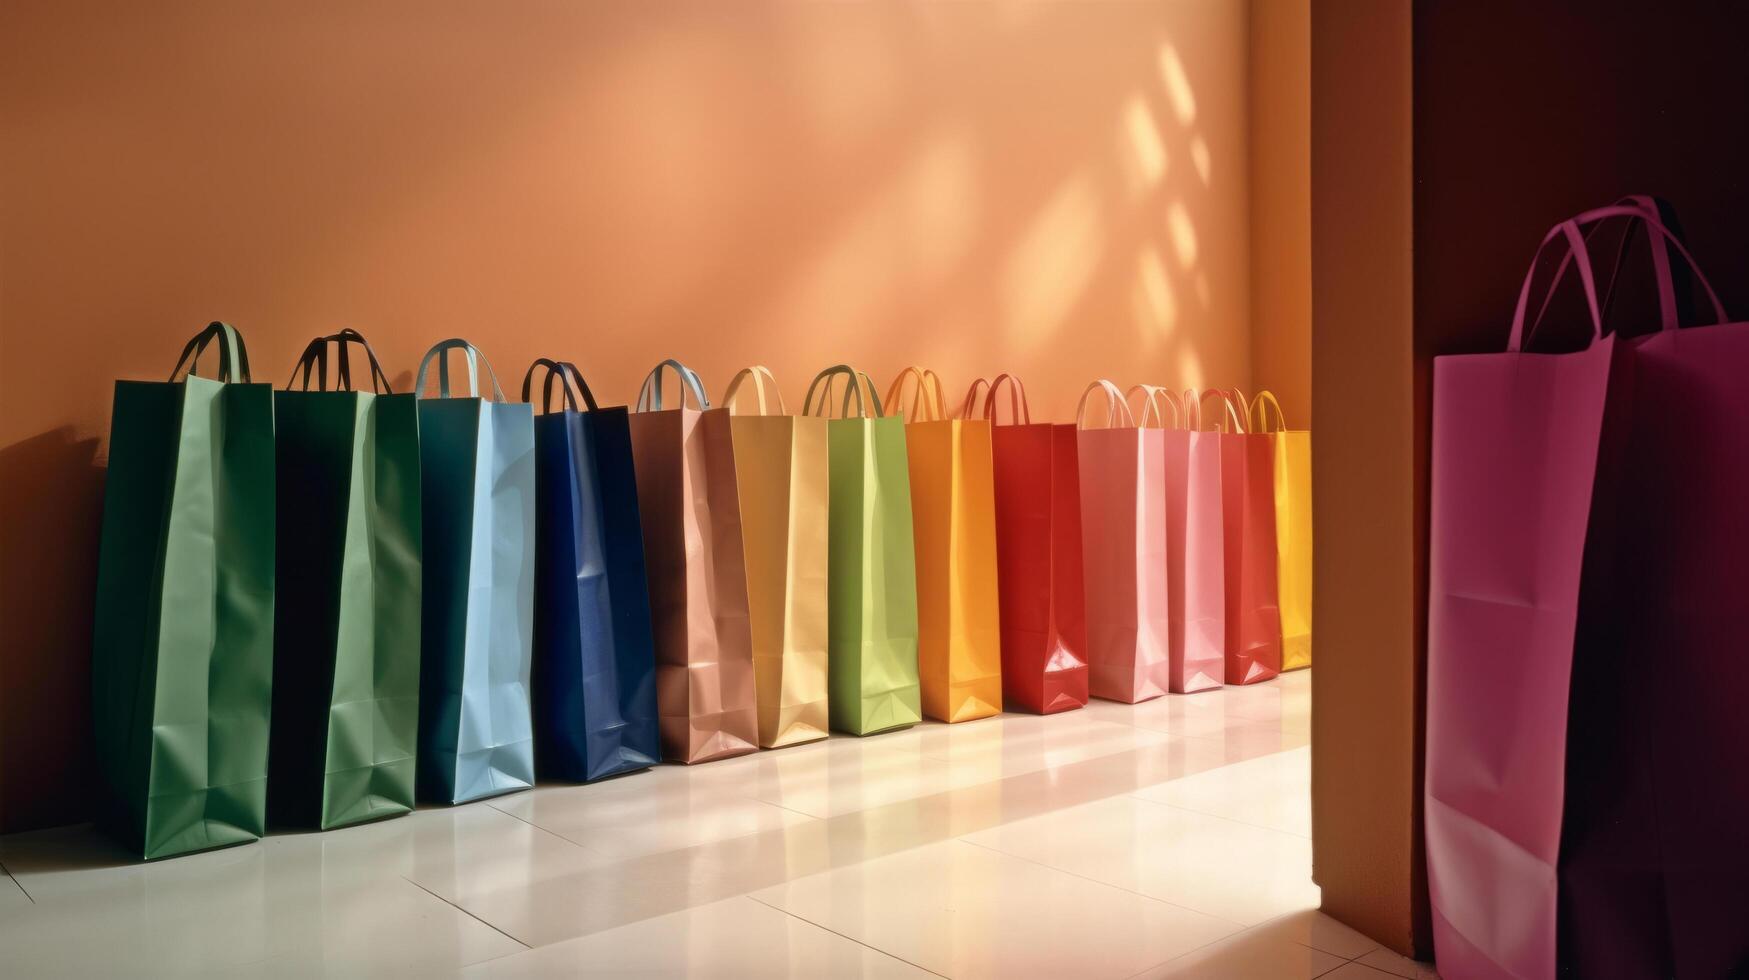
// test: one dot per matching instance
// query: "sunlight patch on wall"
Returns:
(1053, 263)
(1145, 156)
(1183, 232)
(1202, 289)
(1156, 307)
(1199, 158)
(1177, 85)
(1189, 369)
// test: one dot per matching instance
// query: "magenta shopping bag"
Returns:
(1587, 540)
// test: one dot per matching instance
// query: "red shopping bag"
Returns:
(1123, 547)
(1253, 625)
(1196, 590)
(1038, 553)
(1586, 574)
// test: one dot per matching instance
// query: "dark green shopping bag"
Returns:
(346, 619)
(182, 652)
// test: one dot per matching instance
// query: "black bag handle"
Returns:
(315, 358)
(233, 355)
(571, 383)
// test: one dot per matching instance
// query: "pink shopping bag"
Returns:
(1587, 537)
(1123, 537)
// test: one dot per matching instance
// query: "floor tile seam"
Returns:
(826, 928)
(1218, 816)
(1238, 927)
(19, 885)
(471, 915)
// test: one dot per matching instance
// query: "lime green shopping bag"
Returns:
(872, 568)
(182, 652)
(347, 615)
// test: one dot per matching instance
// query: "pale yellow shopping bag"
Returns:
(781, 470)
(953, 510)
(1292, 449)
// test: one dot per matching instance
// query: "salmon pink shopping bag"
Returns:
(1123, 547)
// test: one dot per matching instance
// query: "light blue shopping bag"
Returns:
(476, 737)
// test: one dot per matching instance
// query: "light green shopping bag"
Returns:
(872, 570)
(182, 652)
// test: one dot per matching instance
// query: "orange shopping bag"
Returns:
(953, 513)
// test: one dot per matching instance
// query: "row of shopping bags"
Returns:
(1588, 607)
(378, 597)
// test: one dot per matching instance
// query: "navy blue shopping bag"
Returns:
(594, 655)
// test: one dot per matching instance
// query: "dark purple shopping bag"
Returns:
(1581, 811)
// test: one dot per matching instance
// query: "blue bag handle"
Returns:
(474, 358)
(233, 355)
(569, 378)
(650, 395)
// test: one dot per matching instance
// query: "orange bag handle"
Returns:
(1116, 408)
(1260, 417)
(1153, 398)
(762, 379)
(970, 405)
(927, 394)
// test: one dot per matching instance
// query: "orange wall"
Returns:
(1053, 188)
(1281, 203)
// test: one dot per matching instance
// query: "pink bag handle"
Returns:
(1155, 400)
(1116, 408)
(1230, 420)
(762, 379)
(1660, 267)
(1569, 229)
(1241, 408)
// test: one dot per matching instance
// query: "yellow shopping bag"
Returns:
(781, 470)
(1293, 528)
(953, 508)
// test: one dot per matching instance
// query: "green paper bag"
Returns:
(182, 651)
(872, 569)
(346, 619)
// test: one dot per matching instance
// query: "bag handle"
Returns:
(315, 358)
(1661, 275)
(1155, 399)
(859, 383)
(474, 359)
(1116, 408)
(969, 406)
(1569, 230)
(927, 394)
(650, 395)
(762, 379)
(571, 384)
(1230, 420)
(1259, 413)
(1018, 409)
(233, 355)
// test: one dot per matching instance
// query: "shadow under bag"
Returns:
(476, 736)
(594, 662)
(182, 652)
(346, 620)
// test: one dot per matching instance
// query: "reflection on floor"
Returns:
(1163, 839)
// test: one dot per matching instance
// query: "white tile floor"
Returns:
(1165, 839)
